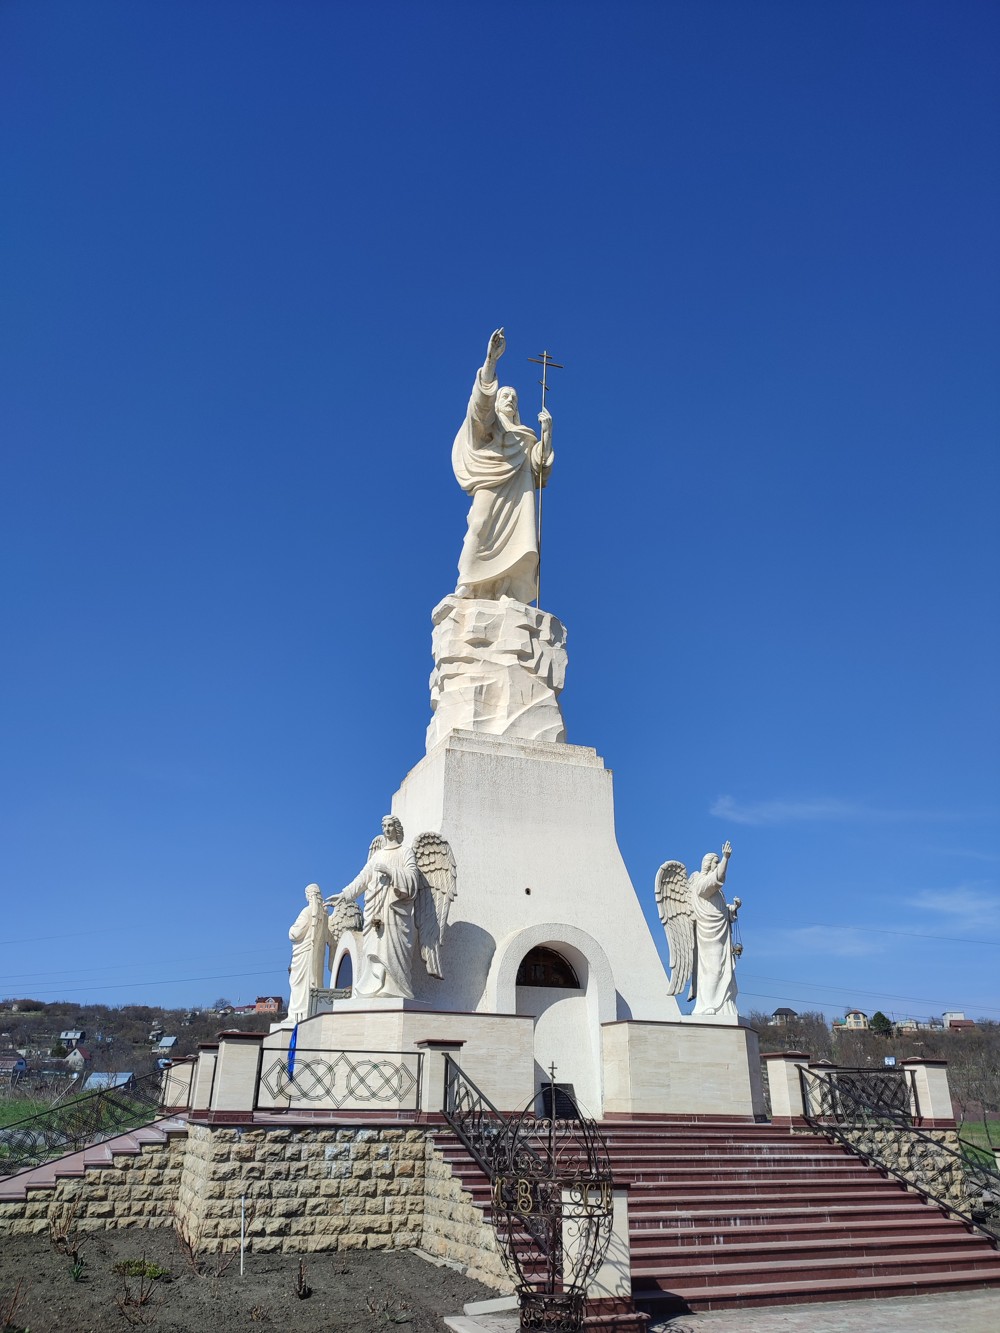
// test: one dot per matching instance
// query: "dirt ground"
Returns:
(369, 1291)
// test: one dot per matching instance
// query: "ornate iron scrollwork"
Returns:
(80, 1123)
(381, 1078)
(552, 1200)
(869, 1113)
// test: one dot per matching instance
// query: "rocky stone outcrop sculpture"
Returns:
(499, 667)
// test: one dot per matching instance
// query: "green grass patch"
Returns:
(975, 1143)
(139, 1268)
(19, 1110)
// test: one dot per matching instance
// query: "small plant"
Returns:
(61, 1236)
(223, 1259)
(140, 1268)
(135, 1300)
(302, 1287)
(379, 1305)
(76, 1271)
(10, 1304)
(260, 1315)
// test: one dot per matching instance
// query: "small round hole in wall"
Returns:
(528, 892)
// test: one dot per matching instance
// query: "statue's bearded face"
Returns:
(507, 404)
(392, 828)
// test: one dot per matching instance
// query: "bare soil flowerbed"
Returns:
(371, 1291)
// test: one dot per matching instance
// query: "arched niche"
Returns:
(567, 1019)
(546, 967)
(347, 948)
(586, 957)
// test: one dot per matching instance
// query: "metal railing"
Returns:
(861, 1110)
(81, 1123)
(339, 1080)
(551, 1197)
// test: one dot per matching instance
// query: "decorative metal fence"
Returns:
(865, 1112)
(552, 1201)
(80, 1123)
(326, 1080)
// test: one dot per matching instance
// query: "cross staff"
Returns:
(546, 362)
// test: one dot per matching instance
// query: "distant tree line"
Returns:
(973, 1054)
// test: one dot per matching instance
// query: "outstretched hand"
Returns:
(497, 347)
(727, 850)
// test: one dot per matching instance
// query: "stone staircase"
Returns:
(736, 1214)
(14, 1189)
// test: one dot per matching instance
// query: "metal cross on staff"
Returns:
(546, 363)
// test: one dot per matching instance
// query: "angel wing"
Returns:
(673, 901)
(346, 915)
(436, 893)
(378, 842)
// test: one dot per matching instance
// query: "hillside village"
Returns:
(49, 1049)
(55, 1047)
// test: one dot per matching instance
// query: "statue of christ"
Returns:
(500, 463)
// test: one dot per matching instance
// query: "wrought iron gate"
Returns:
(551, 1198)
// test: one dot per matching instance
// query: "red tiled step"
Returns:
(795, 1291)
(74, 1165)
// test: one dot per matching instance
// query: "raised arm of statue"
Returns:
(494, 351)
(720, 869)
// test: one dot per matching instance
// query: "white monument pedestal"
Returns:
(531, 826)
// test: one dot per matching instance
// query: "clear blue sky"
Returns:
(251, 256)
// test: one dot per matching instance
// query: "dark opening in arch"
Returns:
(545, 967)
(345, 974)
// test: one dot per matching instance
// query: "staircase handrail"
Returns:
(90, 1119)
(889, 1140)
(551, 1187)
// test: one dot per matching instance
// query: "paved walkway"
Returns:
(948, 1312)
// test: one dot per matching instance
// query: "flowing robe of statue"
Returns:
(389, 882)
(309, 935)
(493, 460)
(715, 974)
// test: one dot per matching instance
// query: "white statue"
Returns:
(310, 936)
(699, 926)
(500, 463)
(408, 892)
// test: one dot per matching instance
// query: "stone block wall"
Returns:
(135, 1191)
(918, 1159)
(455, 1229)
(309, 1189)
(306, 1190)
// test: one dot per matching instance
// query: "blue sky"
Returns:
(251, 255)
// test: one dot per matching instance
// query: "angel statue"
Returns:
(699, 926)
(408, 892)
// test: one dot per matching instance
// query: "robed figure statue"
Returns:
(699, 927)
(408, 890)
(500, 463)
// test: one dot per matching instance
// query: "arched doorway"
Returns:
(560, 976)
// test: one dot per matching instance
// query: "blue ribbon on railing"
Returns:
(291, 1052)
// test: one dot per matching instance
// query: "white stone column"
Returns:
(236, 1072)
(178, 1081)
(932, 1093)
(432, 1072)
(786, 1085)
(613, 1280)
(204, 1073)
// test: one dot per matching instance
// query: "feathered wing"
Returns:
(378, 842)
(346, 915)
(435, 895)
(673, 901)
